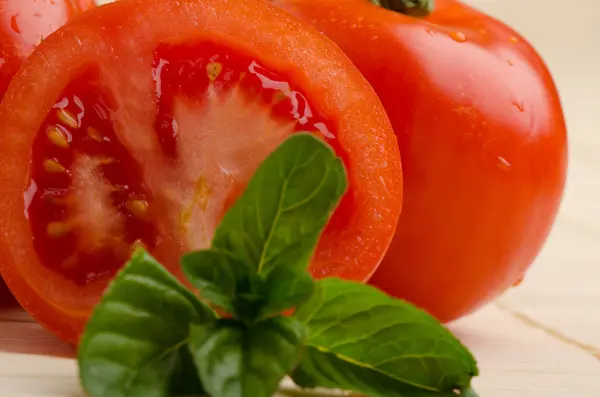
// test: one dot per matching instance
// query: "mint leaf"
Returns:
(185, 380)
(131, 346)
(285, 288)
(322, 369)
(361, 339)
(229, 283)
(220, 277)
(279, 218)
(234, 360)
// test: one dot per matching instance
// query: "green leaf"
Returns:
(321, 369)
(279, 218)
(362, 340)
(285, 288)
(219, 276)
(238, 361)
(131, 346)
(185, 380)
(228, 282)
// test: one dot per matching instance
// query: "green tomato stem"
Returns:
(415, 8)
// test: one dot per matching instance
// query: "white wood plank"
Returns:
(516, 360)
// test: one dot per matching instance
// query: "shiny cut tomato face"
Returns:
(25, 23)
(141, 122)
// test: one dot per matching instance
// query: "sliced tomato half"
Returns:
(140, 122)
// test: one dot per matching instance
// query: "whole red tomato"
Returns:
(482, 138)
(24, 23)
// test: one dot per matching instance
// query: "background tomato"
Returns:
(141, 122)
(482, 138)
(24, 23)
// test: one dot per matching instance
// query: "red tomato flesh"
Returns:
(89, 200)
(141, 123)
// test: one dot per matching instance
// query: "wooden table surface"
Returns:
(541, 339)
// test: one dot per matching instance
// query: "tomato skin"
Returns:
(120, 39)
(24, 23)
(483, 144)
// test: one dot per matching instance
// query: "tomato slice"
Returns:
(24, 23)
(140, 122)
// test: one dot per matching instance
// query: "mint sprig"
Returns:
(236, 360)
(359, 334)
(133, 342)
(151, 337)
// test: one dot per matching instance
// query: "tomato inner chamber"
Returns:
(89, 204)
(216, 71)
(219, 113)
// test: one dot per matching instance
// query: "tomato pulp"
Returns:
(482, 137)
(24, 23)
(140, 122)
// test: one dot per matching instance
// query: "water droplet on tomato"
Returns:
(503, 163)
(459, 37)
(511, 63)
(430, 31)
(514, 39)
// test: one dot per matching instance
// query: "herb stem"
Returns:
(415, 8)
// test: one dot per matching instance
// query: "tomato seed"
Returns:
(67, 118)
(57, 229)
(106, 160)
(137, 208)
(70, 262)
(58, 135)
(53, 166)
(95, 134)
(213, 70)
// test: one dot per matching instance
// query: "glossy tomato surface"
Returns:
(482, 138)
(25, 23)
(140, 122)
